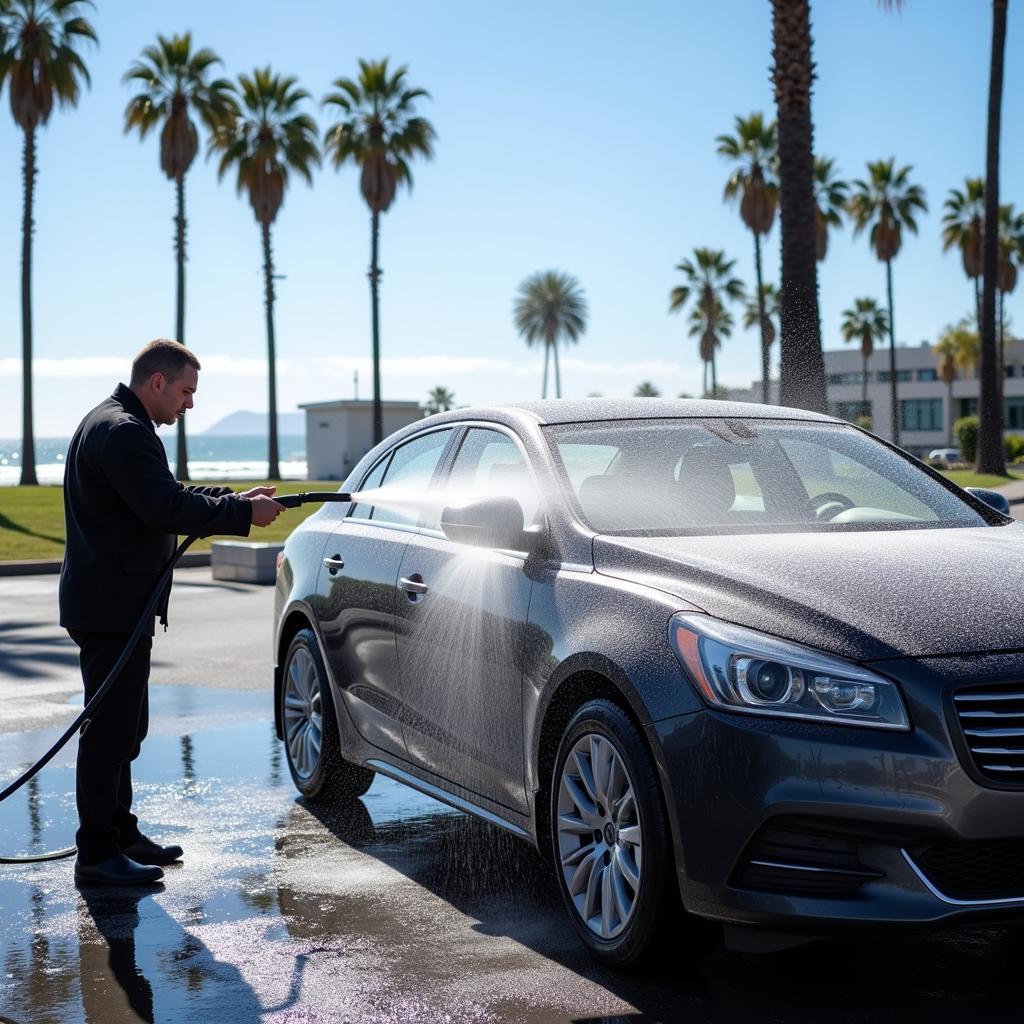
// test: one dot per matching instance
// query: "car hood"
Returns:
(865, 595)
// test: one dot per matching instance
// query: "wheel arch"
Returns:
(586, 679)
(297, 618)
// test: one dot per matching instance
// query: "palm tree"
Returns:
(958, 349)
(550, 307)
(711, 326)
(440, 399)
(753, 150)
(40, 61)
(645, 389)
(802, 375)
(867, 323)
(991, 451)
(175, 84)
(887, 202)
(830, 196)
(1011, 252)
(379, 132)
(267, 140)
(962, 228)
(769, 302)
(709, 279)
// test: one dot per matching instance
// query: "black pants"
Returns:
(110, 743)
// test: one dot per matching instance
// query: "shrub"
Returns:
(966, 431)
(1014, 447)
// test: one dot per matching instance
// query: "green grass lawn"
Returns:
(968, 478)
(32, 518)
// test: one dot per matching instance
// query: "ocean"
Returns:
(209, 458)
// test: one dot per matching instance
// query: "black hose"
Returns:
(145, 620)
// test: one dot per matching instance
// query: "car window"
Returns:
(737, 475)
(362, 510)
(489, 463)
(407, 479)
(825, 470)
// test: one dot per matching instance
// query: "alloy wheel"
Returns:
(599, 835)
(303, 722)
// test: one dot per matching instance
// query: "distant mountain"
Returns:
(245, 424)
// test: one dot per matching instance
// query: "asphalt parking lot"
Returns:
(395, 908)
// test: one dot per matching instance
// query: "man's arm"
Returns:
(133, 464)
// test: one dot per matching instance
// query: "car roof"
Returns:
(585, 410)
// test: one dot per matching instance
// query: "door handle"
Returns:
(413, 584)
(334, 563)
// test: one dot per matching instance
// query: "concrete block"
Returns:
(244, 561)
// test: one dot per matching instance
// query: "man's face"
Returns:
(172, 397)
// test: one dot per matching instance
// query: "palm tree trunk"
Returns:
(802, 375)
(714, 376)
(952, 442)
(894, 418)
(547, 358)
(558, 372)
(991, 454)
(977, 299)
(1000, 354)
(179, 252)
(864, 383)
(28, 440)
(378, 416)
(762, 319)
(273, 466)
(705, 391)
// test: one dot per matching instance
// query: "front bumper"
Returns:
(814, 828)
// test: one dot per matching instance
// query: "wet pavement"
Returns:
(392, 909)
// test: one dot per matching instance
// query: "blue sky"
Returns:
(572, 135)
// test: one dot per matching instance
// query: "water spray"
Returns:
(82, 721)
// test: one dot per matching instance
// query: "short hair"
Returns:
(162, 356)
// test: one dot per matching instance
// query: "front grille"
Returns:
(787, 860)
(989, 870)
(992, 721)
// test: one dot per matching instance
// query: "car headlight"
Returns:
(739, 669)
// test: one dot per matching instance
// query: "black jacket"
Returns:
(123, 508)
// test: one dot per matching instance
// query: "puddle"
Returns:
(393, 908)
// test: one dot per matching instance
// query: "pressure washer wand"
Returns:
(82, 721)
(307, 497)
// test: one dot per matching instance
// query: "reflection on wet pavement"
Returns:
(394, 908)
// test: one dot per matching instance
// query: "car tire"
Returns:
(627, 844)
(311, 742)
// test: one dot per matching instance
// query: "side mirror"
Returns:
(487, 522)
(994, 498)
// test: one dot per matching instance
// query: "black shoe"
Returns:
(145, 851)
(118, 870)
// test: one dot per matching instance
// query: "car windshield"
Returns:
(665, 477)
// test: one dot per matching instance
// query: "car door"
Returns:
(357, 589)
(460, 624)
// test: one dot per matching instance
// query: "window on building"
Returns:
(968, 407)
(851, 410)
(902, 376)
(1013, 418)
(929, 373)
(921, 414)
(853, 377)
(1010, 370)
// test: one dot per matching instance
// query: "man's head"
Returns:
(165, 375)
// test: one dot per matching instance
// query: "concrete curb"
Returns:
(49, 566)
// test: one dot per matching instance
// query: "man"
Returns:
(123, 509)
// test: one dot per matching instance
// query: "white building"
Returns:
(926, 413)
(339, 434)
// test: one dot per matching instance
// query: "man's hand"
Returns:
(264, 509)
(255, 492)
